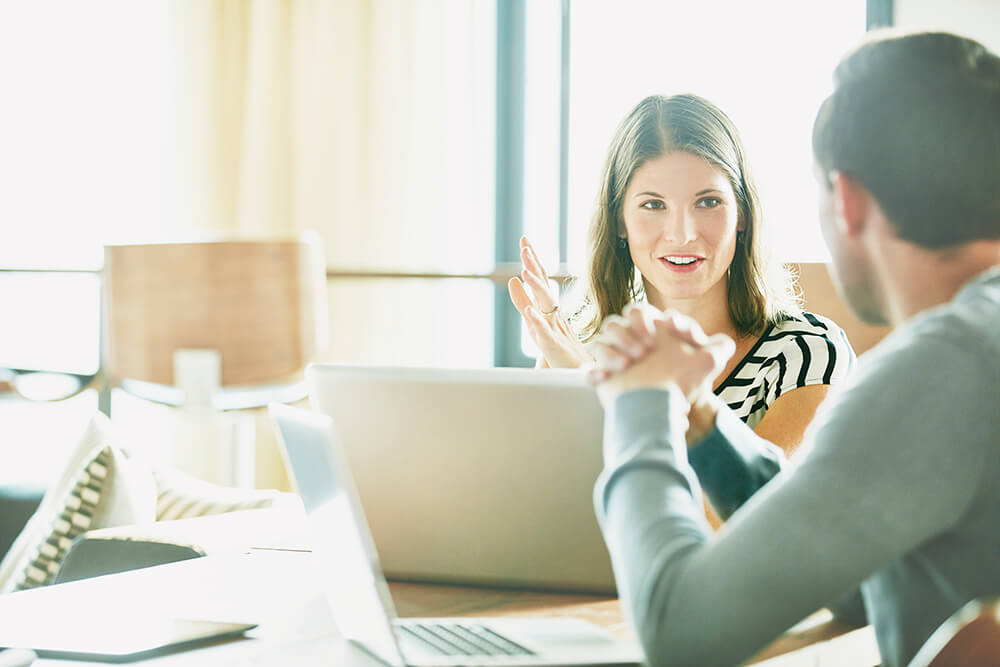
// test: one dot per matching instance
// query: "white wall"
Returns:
(978, 19)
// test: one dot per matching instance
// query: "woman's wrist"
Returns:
(701, 417)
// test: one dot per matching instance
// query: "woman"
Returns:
(678, 224)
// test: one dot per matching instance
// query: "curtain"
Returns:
(368, 121)
(266, 98)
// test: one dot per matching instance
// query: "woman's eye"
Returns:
(652, 205)
(709, 202)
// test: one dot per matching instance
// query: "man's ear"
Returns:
(851, 201)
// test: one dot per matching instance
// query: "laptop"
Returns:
(358, 594)
(474, 476)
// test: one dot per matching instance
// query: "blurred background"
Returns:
(413, 140)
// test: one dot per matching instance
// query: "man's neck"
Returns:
(918, 278)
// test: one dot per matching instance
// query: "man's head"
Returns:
(914, 120)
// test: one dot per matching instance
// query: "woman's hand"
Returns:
(646, 348)
(558, 345)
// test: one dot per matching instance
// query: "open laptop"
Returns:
(474, 476)
(359, 595)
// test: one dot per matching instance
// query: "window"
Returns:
(765, 63)
(83, 126)
(84, 136)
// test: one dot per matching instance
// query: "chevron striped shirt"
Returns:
(802, 350)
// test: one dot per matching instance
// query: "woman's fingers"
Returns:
(563, 326)
(530, 259)
(548, 337)
(539, 287)
(535, 279)
(539, 291)
(518, 295)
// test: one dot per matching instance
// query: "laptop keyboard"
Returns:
(458, 639)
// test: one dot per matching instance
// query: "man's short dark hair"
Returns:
(916, 119)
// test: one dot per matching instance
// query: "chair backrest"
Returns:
(968, 638)
(820, 296)
(260, 303)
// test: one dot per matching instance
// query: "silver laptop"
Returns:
(359, 596)
(474, 476)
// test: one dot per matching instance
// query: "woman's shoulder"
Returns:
(805, 323)
(814, 344)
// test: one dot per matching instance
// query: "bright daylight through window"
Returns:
(767, 63)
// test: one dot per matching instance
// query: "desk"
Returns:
(276, 589)
(818, 640)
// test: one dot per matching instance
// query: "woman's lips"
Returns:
(682, 268)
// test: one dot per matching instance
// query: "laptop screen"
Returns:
(348, 565)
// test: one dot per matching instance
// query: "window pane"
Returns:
(768, 77)
(35, 436)
(82, 125)
(543, 81)
(51, 322)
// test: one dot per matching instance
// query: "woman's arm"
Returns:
(729, 486)
(786, 420)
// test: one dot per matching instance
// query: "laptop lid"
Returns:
(352, 579)
(474, 476)
(356, 589)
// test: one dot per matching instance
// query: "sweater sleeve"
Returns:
(808, 537)
(733, 463)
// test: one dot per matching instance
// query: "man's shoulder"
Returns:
(969, 323)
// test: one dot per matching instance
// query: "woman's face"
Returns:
(681, 221)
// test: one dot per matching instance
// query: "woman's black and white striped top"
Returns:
(803, 350)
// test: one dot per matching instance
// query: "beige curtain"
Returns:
(368, 121)
(247, 143)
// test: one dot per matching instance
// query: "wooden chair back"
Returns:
(969, 638)
(260, 303)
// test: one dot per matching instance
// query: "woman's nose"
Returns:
(679, 228)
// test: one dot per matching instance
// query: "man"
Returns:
(898, 491)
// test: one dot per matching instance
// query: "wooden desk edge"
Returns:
(817, 633)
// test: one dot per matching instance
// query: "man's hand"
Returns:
(647, 348)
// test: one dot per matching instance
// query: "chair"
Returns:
(214, 326)
(207, 327)
(261, 304)
(968, 638)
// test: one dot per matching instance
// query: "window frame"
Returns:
(510, 156)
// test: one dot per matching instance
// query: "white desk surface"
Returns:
(276, 589)
(270, 588)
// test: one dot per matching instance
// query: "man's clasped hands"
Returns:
(647, 348)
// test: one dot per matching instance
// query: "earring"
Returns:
(622, 242)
